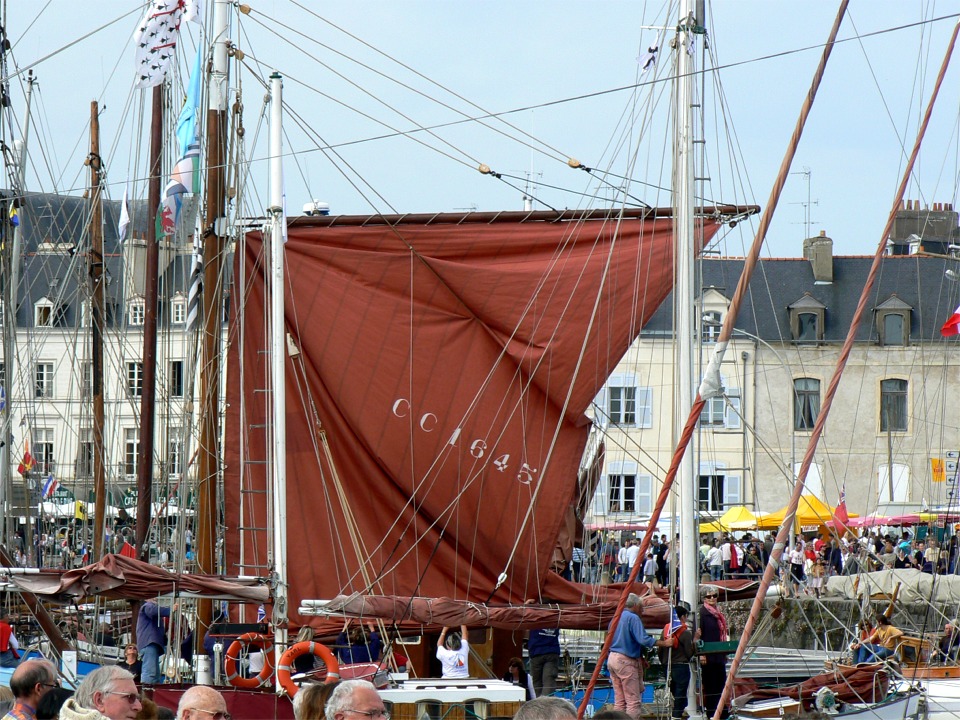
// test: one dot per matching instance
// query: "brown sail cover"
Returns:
(123, 578)
(448, 364)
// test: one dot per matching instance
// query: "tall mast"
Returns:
(11, 301)
(149, 356)
(95, 263)
(684, 291)
(278, 366)
(208, 461)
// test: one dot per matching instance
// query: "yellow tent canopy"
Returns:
(811, 512)
(736, 518)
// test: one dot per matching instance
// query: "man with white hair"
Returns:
(546, 708)
(108, 693)
(202, 703)
(355, 700)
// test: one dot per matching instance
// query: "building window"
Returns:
(176, 378)
(893, 327)
(174, 452)
(85, 454)
(137, 312)
(622, 493)
(893, 405)
(131, 451)
(717, 492)
(622, 402)
(43, 380)
(807, 319)
(43, 314)
(807, 323)
(623, 405)
(3, 375)
(135, 379)
(710, 326)
(43, 451)
(893, 322)
(179, 311)
(806, 403)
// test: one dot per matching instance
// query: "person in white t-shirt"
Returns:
(622, 569)
(715, 561)
(453, 651)
(633, 552)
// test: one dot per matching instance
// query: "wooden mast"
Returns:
(149, 356)
(208, 458)
(95, 262)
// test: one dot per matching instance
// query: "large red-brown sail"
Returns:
(448, 364)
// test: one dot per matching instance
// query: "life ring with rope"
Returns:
(286, 667)
(231, 661)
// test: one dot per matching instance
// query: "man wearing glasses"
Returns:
(30, 682)
(108, 693)
(355, 700)
(202, 703)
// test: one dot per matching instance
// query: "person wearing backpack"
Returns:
(677, 652)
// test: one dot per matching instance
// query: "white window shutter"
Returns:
(644, 407)
(731, 491)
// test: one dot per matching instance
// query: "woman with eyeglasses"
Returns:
(131, 661)
(713, 666)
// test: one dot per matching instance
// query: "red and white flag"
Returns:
(952, 325)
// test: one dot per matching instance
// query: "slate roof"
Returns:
(49, 219)
(919, 281)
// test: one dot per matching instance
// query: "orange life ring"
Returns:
(232, 658)
(302, 648)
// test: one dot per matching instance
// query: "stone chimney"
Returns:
(819, 251)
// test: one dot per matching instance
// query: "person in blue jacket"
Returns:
(543, 647)
(355, 647)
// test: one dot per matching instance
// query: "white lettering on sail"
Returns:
(478, 447)
(502, 462)
(428, 419)
(453, 438)
(401, 404)
(526, 474)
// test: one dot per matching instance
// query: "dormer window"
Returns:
(710, 326)
(893, 322)
(807, 320)
(136, 311)
(178, 309)
(46, 313)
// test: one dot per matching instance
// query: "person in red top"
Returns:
(9, 657)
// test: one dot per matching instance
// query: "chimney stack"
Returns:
(819, 251)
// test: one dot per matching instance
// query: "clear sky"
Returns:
(563, 72)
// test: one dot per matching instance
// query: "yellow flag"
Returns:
(939, 471)
(81, 512)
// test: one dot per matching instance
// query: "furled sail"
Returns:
(447, 362)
